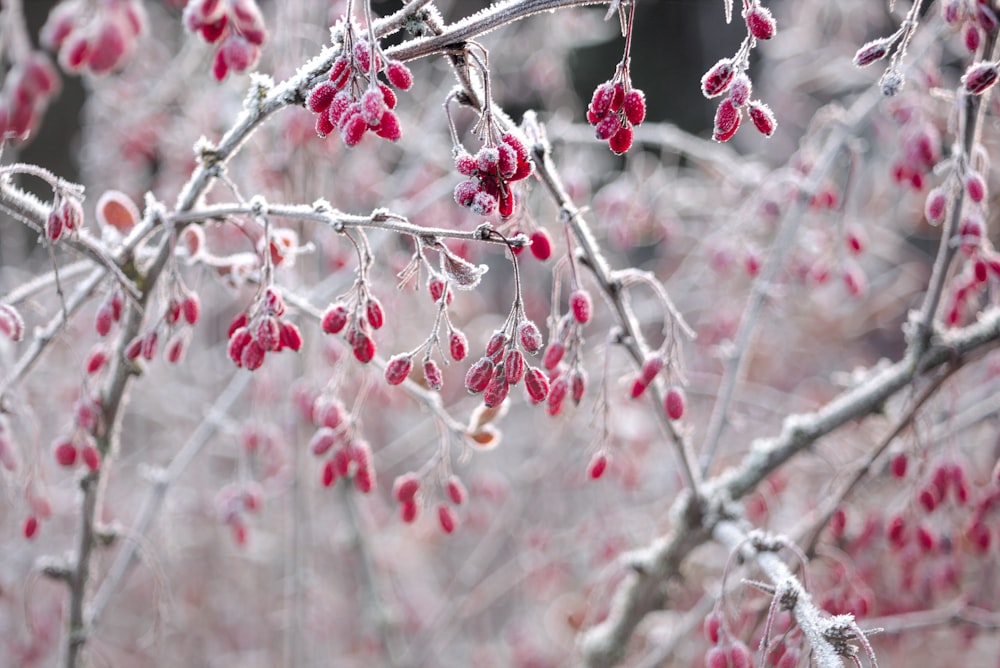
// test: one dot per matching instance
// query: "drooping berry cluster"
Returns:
(503, 364)
(615, 108)
(235, 27)
(27, 91)
(731, 75)
(501, 161)
(673, 399)
(336, 440)
(66, 216)
(976, 19)
(99, 38)
(353, 101)
(260, 330)
(234, 502)
(407, 490)
(359, 315)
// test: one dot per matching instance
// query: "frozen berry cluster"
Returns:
(352, 101)
(261, 330)
(615, 108)
(491, 171)
(235, 27)
(94, 37)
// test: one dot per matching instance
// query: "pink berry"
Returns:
(712, 626)
(553, 355)
(763, 118)
(580, 305)
(537, 385)
(405, 487)
(598, 465)
(717, 79)
(673, 403)
(399, 75)
(456, 490)
(432, 375)
(398, 368)
(65, 453)
(458, 346)
(529, 336)
(446, 518)
(479, 375)
(514, 366)
(320, 97)
(335, 319)
(541, 245)
(760, 22)
(979, 77)
(898, 465)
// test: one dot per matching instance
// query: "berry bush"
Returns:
(363, 333)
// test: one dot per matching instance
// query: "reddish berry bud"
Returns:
(979, 77)
(65, 453)
(578, 385)
(103, 320)
(374, 313)
(456, 490)
(537, 385)
(717, 79)
(54, 225)
(320, 97)
(291, 337)
(529, 336)
(580, 305)
(334, 319)
(191, 307)
(398, 369)
(514, 366)
(760, 22)
(726, 118)
(329, 475)
(898, 465)
(896, 532)
(432, 375)
(363, 346)
(739, 655)
(600, 101)
(763, 118)
(598, 465)
(496, 391)
(238, 322)
(322, 441)
(30, 527)
(458, 346)
(972, 37)
(447, 518)
(496, 342)
(252, 356)
(638, 388)
(399, 75)
(673, 403)
(635, 106)
(408, 511)
(607, 127)
(405, 487)
(557, 394)
(712, 626)
(90, 457)
(975, 186)
(935, 205)
(553, 355)
(716, 657)
(621, 141)
(479, 375)
(541, 245)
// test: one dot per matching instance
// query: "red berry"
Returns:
(65, 453)
(598, 465)
(408, 511)
(580, 305)
(496, 391)
(30, 527)
(458, 346)
(320, 97)
(334, 319)
(398, 368)
(447, 518)
(363, 346)
(717, 79)
(456, 490)
(979, 77)
(514, 366)
(898, 465)
(399, 75)
(763, 118)
(405, 487)
(432, 375)
(537, 385)
(712, 625)
(322, 441)
(374, 313)
(871, 52)
(529, 336)
(541, 245)
(635, 106)
(716, 657)
(621, 141)
(760, 22)
(553, 355)
(90, 457)
(479, 375)
(673, 403)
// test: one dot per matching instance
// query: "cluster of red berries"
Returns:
(975, 18)
(98, 38)
(27, 90)
(359, 316)
(540, 245)
(673, 400)
(407, 487)
(252, 335)
(615, 108)
(235, 27)
(568, 379)
(730, 75)
(11, 323)
(234, 502)
(66, 216)
(336, 440)
(68, 452)
(182, 312)
(725, 652)
(353, 101)
(726, 76)
(503, 365)
(491, 171)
